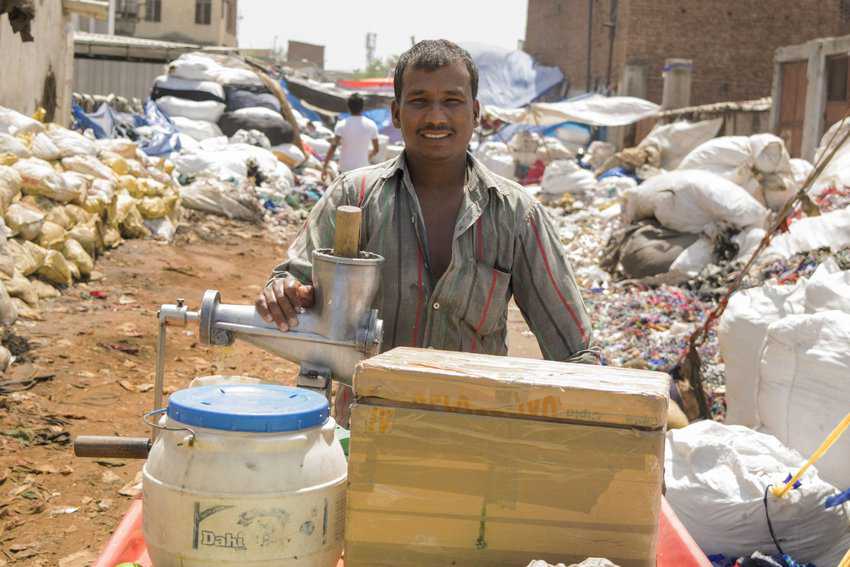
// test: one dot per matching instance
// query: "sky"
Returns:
(341, 25)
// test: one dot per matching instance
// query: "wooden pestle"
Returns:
(347, 236)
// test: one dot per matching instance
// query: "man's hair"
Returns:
(355, 104)
(430, 55)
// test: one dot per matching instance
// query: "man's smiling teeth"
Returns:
(436, 136)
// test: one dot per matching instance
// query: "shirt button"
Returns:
(436, 306)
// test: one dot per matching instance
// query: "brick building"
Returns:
(300, 53)
(731, 43)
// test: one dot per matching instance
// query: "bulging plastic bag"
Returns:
(55, 269)
(110, 236)
(78, 184)
(115, 162)
(15, 123)
(89, 165)
(19, 286)
(60, 216)
(161, 229)
(52, 235)
(38, 253)
(14, 146)
(25, 311)
(39, 178)
(77, 255)
(86, 235)
(44, 289)
(156, 207)
(10, 186)
(121, 146)
(24, 221)
(43, 148)
(133, 225)
(565, 176)
(71, 143)
(716, 477)
(205, 110)
(8, 311)
(23, 259)
(197, 129)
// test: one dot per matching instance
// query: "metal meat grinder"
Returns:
(340, 330)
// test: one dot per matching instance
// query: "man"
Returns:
(458, 240)
(354, 135)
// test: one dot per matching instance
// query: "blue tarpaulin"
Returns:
(510, 79)
(296, 103)
(106, 123)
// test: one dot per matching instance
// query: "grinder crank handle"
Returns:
(347, 235)
(110, 447)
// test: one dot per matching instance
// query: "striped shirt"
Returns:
(504, 245)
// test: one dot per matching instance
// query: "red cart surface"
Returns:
(676, 547)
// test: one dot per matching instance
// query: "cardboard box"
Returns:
(461, 459)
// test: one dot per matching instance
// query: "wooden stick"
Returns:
(347, 236)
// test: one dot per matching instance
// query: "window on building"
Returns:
(231, 16)
(153, 10)
(836, 78)
(845, 11)
(128, 8)
(203, 12)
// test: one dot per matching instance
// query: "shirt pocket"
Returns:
(488, 299)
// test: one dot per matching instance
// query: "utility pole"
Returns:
(371, 44)
(612, 32)
(589, 41)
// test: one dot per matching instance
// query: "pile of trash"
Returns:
(235, 154)
(65, 199)
(208, 96)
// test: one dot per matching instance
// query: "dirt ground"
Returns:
(90, 370)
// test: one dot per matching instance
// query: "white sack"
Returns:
(193, 67)
(260, 112)
(236, 76)
(804, 387)
(197, 129)
(12, 145)
(177, 84)
(829, 230)
(43, 148)
(292, 152)
(566, 176)
(693, 201)
(695, 257)
(741, 333)
(214, 196)
(205, 110)
(71, 143)
(716, 476)
(14, 123)
(678, 139)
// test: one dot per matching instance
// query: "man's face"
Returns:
(436, 113)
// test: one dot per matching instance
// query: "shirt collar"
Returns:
(480, 178)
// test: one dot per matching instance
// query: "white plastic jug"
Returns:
(245, 475)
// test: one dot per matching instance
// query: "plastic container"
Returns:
(247, 475)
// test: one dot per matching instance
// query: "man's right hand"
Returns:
(280, 302)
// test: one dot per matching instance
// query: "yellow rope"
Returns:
(829, 442)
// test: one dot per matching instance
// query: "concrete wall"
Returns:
(178, 24)
(731, 44)
(26, 68)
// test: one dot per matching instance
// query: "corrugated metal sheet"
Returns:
(123, 78)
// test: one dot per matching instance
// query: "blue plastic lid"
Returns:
(261, 408)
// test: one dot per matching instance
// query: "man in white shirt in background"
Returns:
(354, 134)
